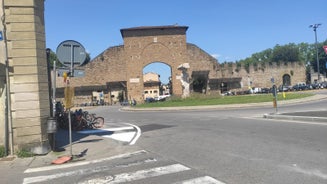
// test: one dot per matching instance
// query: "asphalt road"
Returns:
(225, 145)
(236, 145)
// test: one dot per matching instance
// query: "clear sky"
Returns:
(229, 30)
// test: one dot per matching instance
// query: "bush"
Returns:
(24, 153)
(2, 151)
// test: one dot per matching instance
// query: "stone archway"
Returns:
(143, 46)
(286, 80)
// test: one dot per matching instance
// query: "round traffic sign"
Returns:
(71, 53)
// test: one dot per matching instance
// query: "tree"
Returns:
(286, 53)
(87, 59)
(53, 57)
(322, 57)
(303, 52)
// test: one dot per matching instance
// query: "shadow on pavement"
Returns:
(62, 138)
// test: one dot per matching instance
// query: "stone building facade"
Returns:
(239, 78)
(24, 124)
(151, 83)
(120, 68)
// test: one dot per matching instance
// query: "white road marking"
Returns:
(137, 175)
(68, 165)
(202, 180)
(119, 178)
(125, 137)
(310, 172)
(130, 137)
(137, 135)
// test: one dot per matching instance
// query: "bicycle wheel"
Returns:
(87, 116)
(98, 122)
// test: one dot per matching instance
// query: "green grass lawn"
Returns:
(197, 100)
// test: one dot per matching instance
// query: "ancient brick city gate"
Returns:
(119, 69)
(146, 45)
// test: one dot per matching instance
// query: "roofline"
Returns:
(154, 27)
(147, 28)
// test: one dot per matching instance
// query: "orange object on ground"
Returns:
(62, 160)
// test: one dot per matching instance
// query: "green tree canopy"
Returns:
(302, 52)
(286, 53)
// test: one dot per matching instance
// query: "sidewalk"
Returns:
(94, 146)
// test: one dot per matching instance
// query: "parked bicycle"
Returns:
(79, 120)
(90, 121)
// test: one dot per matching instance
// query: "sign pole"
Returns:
(69, 94)
(274, 88)
(70, 133)
(71, 59)
(69, 52)
(68, 103)
(276, 106)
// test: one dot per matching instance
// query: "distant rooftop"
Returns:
(155, 27)
(124, 32)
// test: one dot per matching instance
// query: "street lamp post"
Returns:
(315, 26)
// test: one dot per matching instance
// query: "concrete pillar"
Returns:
(24, 23)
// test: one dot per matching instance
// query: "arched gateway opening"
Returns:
(286, 80)
(156, 80)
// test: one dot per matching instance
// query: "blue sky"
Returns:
(229, 30)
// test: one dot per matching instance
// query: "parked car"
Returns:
(320, 85)
(266, 90)
(124, 103)
(256, 90)
(161, 97)
(228, 93)
(309, 86)
(300, 87)
(282, 88)
(324, 84)
(149, 100)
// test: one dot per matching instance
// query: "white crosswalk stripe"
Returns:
(204, 180)
(137, 175)
(119, 171)
(46, 168)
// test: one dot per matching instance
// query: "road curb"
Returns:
(295, 118)
(229, 106)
